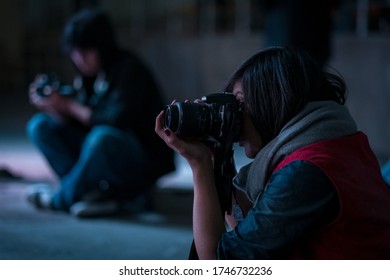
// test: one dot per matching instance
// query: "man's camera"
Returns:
(47, 83)
(216, 119)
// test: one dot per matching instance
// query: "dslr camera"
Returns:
(49, 82)
(216, 120)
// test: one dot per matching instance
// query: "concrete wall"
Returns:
(365, 64)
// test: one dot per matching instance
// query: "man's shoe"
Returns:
(41, 196)
(85, 209)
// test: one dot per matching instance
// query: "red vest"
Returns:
(362, 228)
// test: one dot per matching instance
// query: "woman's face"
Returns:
(250, 138)
(87, 61)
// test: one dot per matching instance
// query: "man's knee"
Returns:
(38, 126)
(101, 136)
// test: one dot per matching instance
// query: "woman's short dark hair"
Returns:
(90, 29)
(278, 82)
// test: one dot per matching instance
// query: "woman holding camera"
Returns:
(314, 188)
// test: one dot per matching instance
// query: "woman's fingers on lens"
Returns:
(159, 123)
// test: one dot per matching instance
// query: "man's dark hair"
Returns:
(90, 29)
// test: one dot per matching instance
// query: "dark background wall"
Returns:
(192, 47)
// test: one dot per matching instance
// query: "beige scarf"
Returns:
(320, 120)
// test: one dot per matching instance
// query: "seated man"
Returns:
(100, 138)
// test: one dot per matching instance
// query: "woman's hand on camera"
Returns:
(208, 224)
(194, 151)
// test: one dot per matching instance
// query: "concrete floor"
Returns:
(30, 234)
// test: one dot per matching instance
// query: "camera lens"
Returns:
(188, 119)
(171, 117)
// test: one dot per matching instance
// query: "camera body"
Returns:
(48, 83)
(217, 119)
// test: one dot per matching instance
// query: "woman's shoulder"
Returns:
(299, 177)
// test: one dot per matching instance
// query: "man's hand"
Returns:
(56, 104)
